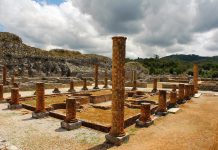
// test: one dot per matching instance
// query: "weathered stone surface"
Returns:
(38, 115)
(134, 88)
(117, 140)
(145, 117)
(1, 92)
(181, 98)
(96, 77)
(195, 77)
(4, 76)
(56, 90)
(71, 125)
(71, 90)
(154, 85)
(162, 103)
(84, 85)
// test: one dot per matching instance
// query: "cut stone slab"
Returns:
(15, 106)
(117, 140)
(40, 115)
(173, 110)
(71, 126)
(197, 95)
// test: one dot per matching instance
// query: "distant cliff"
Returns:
(30, 61)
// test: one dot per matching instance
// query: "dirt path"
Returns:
(194, 127)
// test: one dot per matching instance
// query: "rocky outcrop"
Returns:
(24, 60)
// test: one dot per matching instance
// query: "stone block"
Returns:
(40, 115)
(71, 126)
(117, 140)
(14, 106)
(144, 124)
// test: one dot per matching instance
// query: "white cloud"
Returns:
(160, 27)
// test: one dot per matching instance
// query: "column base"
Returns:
(144, 124)
(182, 101)
(71, 91)
(154, 91)
(14, 106)
(117, 140)
(133, 89)
(84, 89)
(71, 126)
(105, 87)
(96, 87)
(40, 115)
(173, 105)
(161, 113)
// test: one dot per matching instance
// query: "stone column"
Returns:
(154, 85)
(105, 80)
(174, 88)
(181, 94)
(162, 103)
(134, 88)
(4, 76)
(1, 92)
(192, 90)
(40, 111)
(14, 103)
(96, 77)
(173, 99)
(195, 77)
(70, 122)
(12, 80)
(145, 117)
(71, 90)
(118, 92)
(186, 92)
(84, 85)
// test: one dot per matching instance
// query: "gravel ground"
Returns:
(26, 133)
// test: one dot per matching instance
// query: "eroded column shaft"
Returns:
(1, 92)
(96, 77)
(4, 76)
(145, 112)
(15, 96)
(40, 100)
(195, 78)
(162, 101)
(70, 110)
(118, 86)
(181, 91)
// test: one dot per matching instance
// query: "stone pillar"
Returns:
(1, 92)
(96, 77)
(4, 76)
(70, 122)
(12, 80)
(71, 90)
(195, 77)
(162, 103)
(174, 88)
(15, 85)
(154, 85)
(105, 83)
(14, 103)
(192, 90)
(181, 94)
(145, 117)
(56, 90)
(117, 134)
(84, 85)
(134, 88)
(186, 92)
(173, 99)
(40, 111)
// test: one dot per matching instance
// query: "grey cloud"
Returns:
(114, 16)
(207, 15)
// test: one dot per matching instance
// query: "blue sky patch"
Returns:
(52, 2)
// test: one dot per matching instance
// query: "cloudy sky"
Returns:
(161, 27)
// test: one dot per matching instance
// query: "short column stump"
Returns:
(159, 113)
(71, 125)
(117, 140)
(38, 115)
(144, 124)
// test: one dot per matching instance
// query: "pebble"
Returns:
(4, 145)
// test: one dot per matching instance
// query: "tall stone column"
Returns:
(84, 85)
(105, 80)
(40, 111)
(70, 121)
(96, 77)
(181, 94)
(117, 134)
(162, 103)
(145, 117)
(154, 85)
(4, 77)
(71, 90)
(1, 92)
(195, 78)
(14, 103)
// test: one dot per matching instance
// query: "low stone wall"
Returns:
(100, 98)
